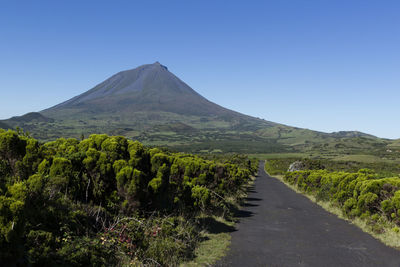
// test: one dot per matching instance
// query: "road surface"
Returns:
(279, 227)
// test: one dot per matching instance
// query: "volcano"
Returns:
(148, 103)
(148, 88)
(152, 105)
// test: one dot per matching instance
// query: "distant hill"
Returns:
(395, 144)
(31, 121)
(151, 104)
(31, 117)
(4, 126)
(351, 134)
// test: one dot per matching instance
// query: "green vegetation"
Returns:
(151, 105)
(279, 166)
(107, 201)
(214, 134)
(363, 197)
(3, 125)
(216, 242)
(395, 145)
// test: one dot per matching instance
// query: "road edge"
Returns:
(388, 238)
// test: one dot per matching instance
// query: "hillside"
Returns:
(31, 117)
(148, 88)
(152, 105)
(148, 103)
(4, 125)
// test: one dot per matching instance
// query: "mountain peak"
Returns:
(149, 87)
(158, 64)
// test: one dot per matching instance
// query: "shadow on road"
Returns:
(243, 214)
(252, 199)
(215, 227)
(246, 203)
(250, 205)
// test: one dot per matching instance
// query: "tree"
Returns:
(12, 150)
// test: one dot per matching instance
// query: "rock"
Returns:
(296, 166)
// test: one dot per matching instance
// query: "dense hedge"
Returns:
(361, 194)
(279, 166)
(105, 200)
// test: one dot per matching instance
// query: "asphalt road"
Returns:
(279, 227)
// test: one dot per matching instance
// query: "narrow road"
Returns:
(282, 228)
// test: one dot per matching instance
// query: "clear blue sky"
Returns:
(318, 64)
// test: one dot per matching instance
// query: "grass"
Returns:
(216, 235)
(205, 134)
(395, 144)
(384, 168)
(384, 231)
(278, 155)
(214, 246)
(365, 159)
(381, 157)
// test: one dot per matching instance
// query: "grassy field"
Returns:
(214, 134)
(279, 155)
(279, 165)
(367, 159)
(395, 144)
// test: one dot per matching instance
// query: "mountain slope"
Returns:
(152, 105)
(149, 87)
(3, 125)
(31, 117)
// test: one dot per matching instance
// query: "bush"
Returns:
(358, 194)
(106, 200)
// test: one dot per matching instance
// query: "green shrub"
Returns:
(105, 201)
(362, 194)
